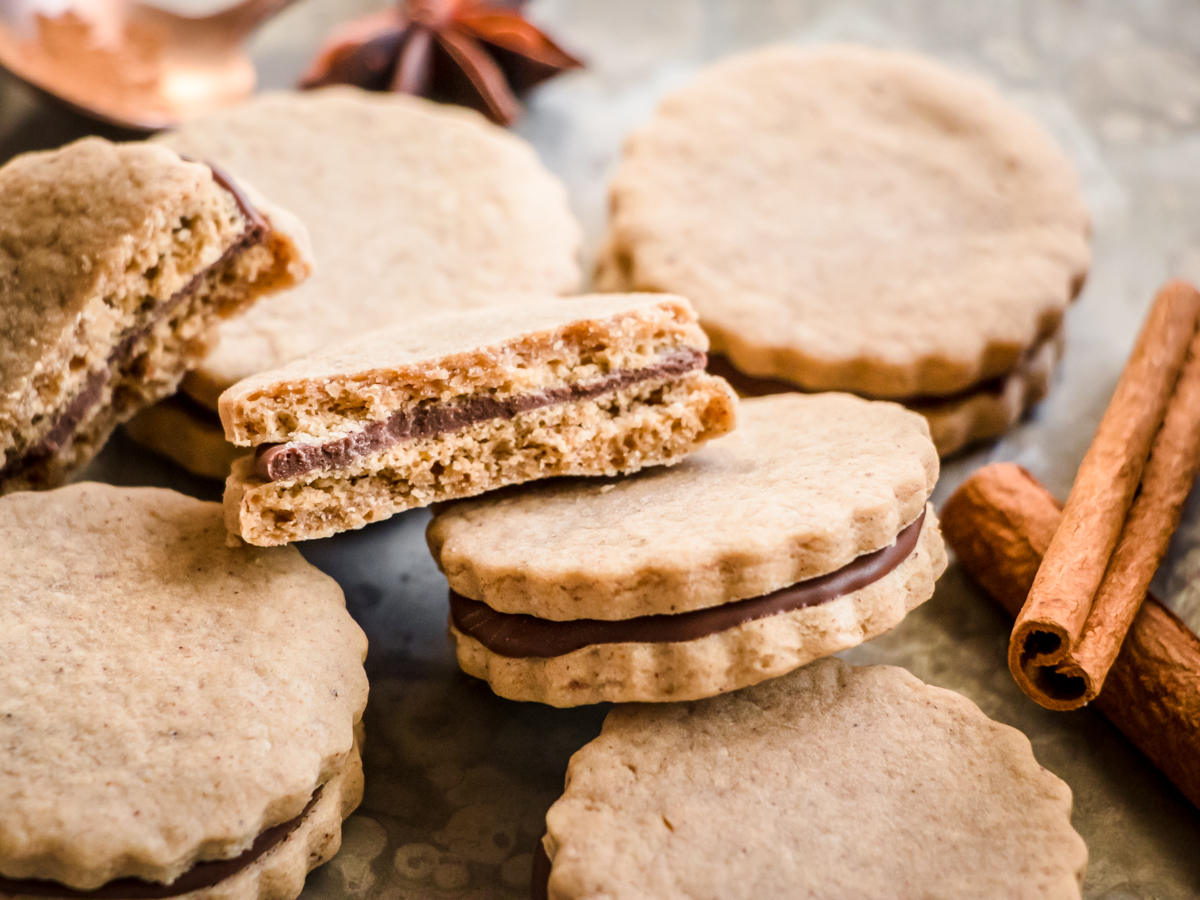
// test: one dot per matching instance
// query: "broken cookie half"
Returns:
(451, 406)
(116, 262)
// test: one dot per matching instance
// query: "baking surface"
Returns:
(458, 780)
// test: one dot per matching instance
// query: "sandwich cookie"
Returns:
(116, 262)
(454, 405)
(860, 220)
(413, 208)
(835, 781)
(180, 715)
(805, 532)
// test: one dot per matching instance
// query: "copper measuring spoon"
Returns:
(130, 64)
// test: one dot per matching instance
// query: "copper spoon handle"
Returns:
(244, 17)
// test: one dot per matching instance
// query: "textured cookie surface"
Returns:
(452, 406)
(412, 207)
(719, 662)
(279, 873)
(830, 782)
(535, 344)
(805, 484)
(851, 219)
(116, 261)
(164, 696)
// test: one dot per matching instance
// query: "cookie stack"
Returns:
(858, 220)
(805, 532)
(447, 407)
(181, 699)
(116, 263)
(179, 717)
(413, 208)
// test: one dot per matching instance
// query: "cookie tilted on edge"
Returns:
(853, 219)
(805, 532)
(454, 405)
(116, 261)
(832, 782)
(179, 716)
(414, 208)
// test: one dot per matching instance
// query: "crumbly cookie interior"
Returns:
(142, 329)
(652, 423)
(330, 395)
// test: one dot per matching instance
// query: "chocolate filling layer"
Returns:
(80, 407)
(528, 637)
(753, 386)
(201, 875)
(277, 462)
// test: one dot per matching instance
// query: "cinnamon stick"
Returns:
(1096, 569)
(1000, 522)
(1153, 517)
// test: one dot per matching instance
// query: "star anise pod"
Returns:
(456, 51)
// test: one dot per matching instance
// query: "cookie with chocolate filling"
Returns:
(956, 421)
(805, 532)
(858, 220)
(451, 406)
(413, 207)
(180, 715)
(116, 263)
(835, 781)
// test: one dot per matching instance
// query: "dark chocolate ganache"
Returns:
(201, 875)
(277, 462)
(528, 637)
(81, 407)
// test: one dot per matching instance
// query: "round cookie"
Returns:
(832, 782)
(804, 532)
(180, 714)
(851, 219)
(412, 208)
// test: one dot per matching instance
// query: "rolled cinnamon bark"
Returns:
(1153, 517)
(1083, 598)
(999, 523)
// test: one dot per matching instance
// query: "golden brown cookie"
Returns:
(454, 405)
(846, 218)
(116, 262)
(413, 208)
(179, 713)
(805, 532)
(835, 781)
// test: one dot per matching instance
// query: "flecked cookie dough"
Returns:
(834, 781)
(413, 207)
(846, 218)
(116, 263)
(643, 588)
(168, 699)
(454, 405)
